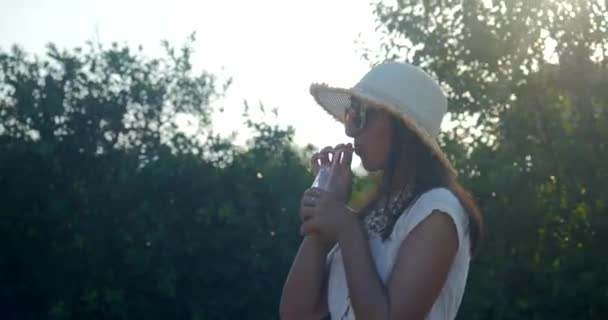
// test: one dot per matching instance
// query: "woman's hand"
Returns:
(342, 178)
(325, 215)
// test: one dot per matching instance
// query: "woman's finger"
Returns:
(314, 163)
(339, 146)
(306, 213)
(347, 155)
(314, 192)
(324, 155)
(338, 152)
(308, 201)
(309, 226)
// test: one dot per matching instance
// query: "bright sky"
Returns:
(272, 49)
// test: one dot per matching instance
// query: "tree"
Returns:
(527, 83)
(111, 211)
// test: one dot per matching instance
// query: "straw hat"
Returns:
(403, 90)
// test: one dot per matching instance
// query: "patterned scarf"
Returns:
(384, 214)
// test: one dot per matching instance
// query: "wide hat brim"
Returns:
(335, 101)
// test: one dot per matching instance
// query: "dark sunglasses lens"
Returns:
(355, 115)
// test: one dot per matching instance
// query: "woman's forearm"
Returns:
(304, 295)
(368, 295)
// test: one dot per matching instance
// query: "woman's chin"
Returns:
(368, 166)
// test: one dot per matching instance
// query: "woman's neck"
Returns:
(403, 176)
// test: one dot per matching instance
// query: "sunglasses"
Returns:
(356, 116)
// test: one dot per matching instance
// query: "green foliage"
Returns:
(110, 211)
(538, 161)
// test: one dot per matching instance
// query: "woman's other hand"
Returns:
(342, 178)
(341, 182)
(323, 214)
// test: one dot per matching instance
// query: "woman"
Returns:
(405, 255)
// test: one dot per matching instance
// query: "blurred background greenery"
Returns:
(110, 210)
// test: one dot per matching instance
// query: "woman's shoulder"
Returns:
(437, 199)
(438, 194)
(441, 199)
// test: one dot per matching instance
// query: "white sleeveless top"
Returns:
(384, 254)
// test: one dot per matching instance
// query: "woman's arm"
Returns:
(421, 268)
(304, 293)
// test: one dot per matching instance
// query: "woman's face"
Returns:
(373, 141)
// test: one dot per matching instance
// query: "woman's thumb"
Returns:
(347, 155)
